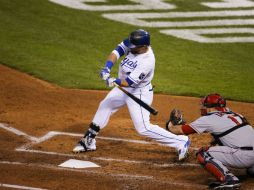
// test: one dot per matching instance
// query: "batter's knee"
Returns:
(142, 128)
(140, 131)
(104, 103)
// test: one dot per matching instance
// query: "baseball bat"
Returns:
(138, 101)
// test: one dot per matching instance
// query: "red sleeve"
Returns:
(187, 129)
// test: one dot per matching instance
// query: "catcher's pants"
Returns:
(230, 157)
(140, 116)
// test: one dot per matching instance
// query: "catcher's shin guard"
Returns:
(88, 142)
(208, 162)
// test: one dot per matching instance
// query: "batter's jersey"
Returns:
(219, 122)
(136, 69)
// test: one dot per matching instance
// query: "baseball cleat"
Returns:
(84, 145)
(183, 152)
(228, 185)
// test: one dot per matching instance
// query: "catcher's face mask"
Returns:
(203, 110)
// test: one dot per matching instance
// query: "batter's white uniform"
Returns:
(139, 69)
(236, 148)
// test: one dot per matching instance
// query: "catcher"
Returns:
(233, 140)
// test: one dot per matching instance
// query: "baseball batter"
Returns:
(234, 138)
(135, 74)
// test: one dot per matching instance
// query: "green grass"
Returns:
(68, 47)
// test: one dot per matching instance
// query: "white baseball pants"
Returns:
(140, 116)
(235, 158)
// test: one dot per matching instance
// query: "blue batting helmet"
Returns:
(139, 38)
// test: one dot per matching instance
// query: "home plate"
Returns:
(72, 163)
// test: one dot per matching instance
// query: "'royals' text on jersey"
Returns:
(136, 69)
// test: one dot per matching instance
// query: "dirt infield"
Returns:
(29, 154)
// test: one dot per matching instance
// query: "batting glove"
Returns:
(105, 73)
(110, 81)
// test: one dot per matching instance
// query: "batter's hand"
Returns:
(105, 73)
(110, 81)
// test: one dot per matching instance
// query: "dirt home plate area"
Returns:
(40, 123)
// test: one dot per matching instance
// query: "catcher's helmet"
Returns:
(213, 101)
(139, 38)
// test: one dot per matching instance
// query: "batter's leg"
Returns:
(111, 103)
(141, 121)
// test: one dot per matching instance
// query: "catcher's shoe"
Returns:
(85, 144)
(228, 185)
(183, 152)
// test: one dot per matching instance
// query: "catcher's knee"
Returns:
(202, 155)
(207, 161)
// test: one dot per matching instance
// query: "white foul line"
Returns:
(19, 187)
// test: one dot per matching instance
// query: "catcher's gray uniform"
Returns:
(234, 135)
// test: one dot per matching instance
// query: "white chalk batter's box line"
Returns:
(19, 187)
(34, 140)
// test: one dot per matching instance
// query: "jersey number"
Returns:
(233, 118)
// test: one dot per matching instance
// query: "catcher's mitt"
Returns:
(176, 118)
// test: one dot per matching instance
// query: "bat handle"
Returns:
(140, 102)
